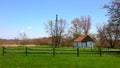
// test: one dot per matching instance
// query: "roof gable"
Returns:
(83, 38)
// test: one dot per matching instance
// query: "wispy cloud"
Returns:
(22, 31)
(29, 28)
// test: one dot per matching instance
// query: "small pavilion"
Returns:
(83, 41)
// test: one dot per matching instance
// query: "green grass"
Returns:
(59, 61)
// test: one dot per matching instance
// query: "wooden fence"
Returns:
(52, 51)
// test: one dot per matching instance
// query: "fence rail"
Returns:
(53, 51)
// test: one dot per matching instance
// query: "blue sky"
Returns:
(30, 16)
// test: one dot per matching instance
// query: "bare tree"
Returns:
(76, 28)
(56, 30)
(113, 9)
(108, 33)
(81, 26)
(111, 31)
(24, 38)
(86, 24)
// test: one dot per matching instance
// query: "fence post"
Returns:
(77, 52)
(26, 51)
(53, 51)
(3, 50)
(91, 48)
(100, 52)
(108, 48)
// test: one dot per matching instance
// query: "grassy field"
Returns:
(59, 61)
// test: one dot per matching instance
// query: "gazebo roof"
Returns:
(83, 38)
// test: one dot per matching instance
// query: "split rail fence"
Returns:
(53, 51)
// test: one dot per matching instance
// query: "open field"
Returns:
(59, 61)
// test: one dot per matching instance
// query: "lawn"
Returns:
(59, 61)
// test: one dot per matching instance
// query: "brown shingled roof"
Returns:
(83, 38)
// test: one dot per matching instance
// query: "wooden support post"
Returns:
(3, 50)
(108, 48)
(91, 48)
(77, 52)
(100, 52)
(53, 51)
(26, 51)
